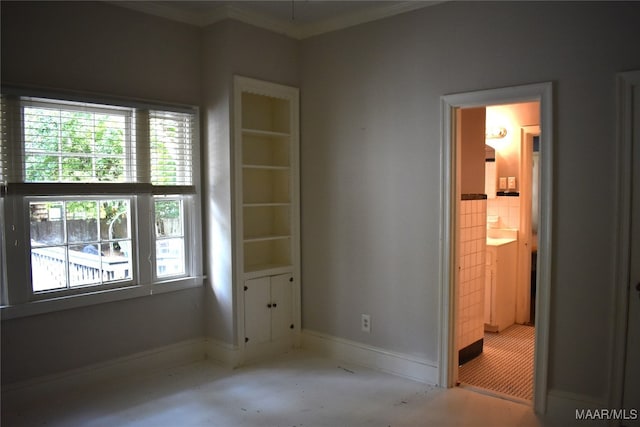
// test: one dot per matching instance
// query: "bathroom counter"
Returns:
(499, 242)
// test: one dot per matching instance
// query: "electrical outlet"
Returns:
(365, 323)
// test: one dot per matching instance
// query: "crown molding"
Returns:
(261, 20)
(162, 10)
(289, 28)
(361, 17)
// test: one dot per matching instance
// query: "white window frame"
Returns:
(18, 298)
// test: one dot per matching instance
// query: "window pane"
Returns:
(170, 258)
(171, 148)
(114, 219)
(48, 268)
(116, 260)
(168, 218)
(84, 265)
(47, 225)
(82, 223)
(69, 142)
(97, 248)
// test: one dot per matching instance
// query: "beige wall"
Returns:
(370, 163)
(108, 50)
(513, 118)
(371, 168)
(95, 47)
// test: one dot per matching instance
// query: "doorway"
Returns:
(451, 209)
(495, 245)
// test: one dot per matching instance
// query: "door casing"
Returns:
(627, 83)
(542, 92)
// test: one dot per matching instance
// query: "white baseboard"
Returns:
(227, 354)
(368, 356)
(562, 407)
(139, 363)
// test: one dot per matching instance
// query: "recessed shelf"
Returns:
(266, 167)
(265, 148)
(265, 238)
(265, 113)
(266, 222)
(259, 270)
(261, 205)
(268, 133)
(261, 252)
(266, 185)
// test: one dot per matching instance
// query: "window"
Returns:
(97, 197)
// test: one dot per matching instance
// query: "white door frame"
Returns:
(542, 92)
(625, 84)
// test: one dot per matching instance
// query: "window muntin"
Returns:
(79, 242)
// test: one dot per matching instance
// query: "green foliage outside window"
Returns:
(73, 146)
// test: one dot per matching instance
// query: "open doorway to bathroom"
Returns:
(495, 246)
(496, 249)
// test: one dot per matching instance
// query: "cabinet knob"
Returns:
(291, 279)
(275, 305)
(269, 305)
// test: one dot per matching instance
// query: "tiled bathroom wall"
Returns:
(471, 281)
(507, 208)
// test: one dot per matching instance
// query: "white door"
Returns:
(281, 313)
(631, 396)
(257, 311)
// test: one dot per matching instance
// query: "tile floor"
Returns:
(298, 389)
(506, 363)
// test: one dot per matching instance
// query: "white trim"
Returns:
(242, 85)
(400, 364)
(145, 362)
(227, 354)
(360, 17)
(261, 20)
(99, 297)
(249, 16)
(534, 92)
(624, 122)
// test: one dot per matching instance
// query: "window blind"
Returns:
(76, 142)
(171, 150)
(3, 141)
(52, 146)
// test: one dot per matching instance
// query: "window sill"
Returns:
(99, 297)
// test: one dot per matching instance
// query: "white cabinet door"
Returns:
(268, 309)
(281, 312)
(257, 313)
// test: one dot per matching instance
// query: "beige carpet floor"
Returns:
(505, 365)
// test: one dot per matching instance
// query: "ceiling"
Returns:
(295, 18)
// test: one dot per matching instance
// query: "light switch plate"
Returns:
(511, 184)
(503, 183)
